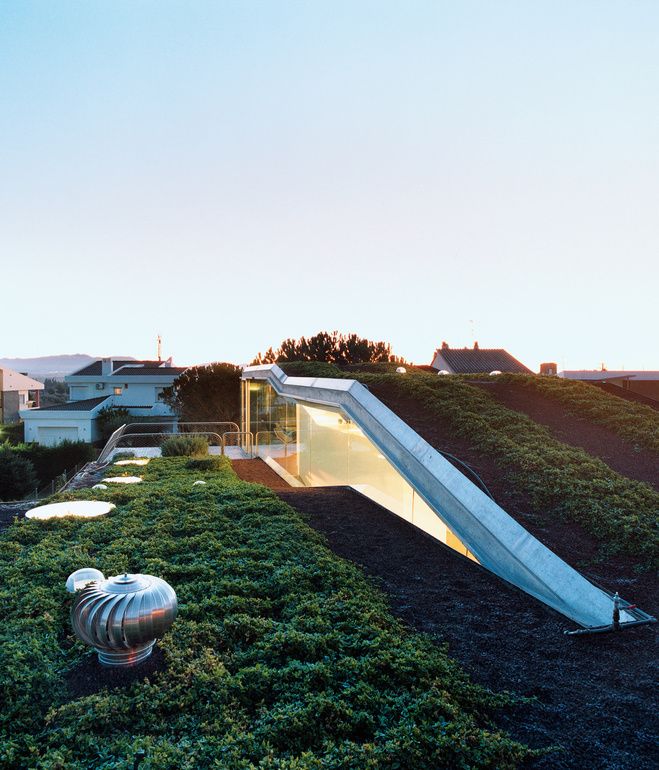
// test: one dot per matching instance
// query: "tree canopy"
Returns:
(332, 347)
(209, 393)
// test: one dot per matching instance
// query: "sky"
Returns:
(230, 174)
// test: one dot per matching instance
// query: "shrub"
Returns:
(282, 656)
(204, 464)
(51, 461)
(184, 446)
(13, 433)
(109, 419)
(17, 476)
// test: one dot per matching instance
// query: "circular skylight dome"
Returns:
(443, 371)
(85, 509)
(79, 579)
(124, 479)
(198, 482)
(100, 486)
(401, 370)
(494, 373)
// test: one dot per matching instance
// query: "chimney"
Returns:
(444, 345)
(548, 369)
(476, 345)
(106, 366)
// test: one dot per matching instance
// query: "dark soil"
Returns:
(595, 694)
(568, 539)
(619, 454)
(90, 677)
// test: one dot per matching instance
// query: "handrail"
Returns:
(110, 444)
(176, 425)
(166, 436)
(248, 433)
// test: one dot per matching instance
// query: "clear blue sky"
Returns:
(228, 174)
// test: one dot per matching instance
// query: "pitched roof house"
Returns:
(15, 391)
(476, 360)
(128, 384)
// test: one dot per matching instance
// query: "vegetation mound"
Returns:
(556, 478)
(283, 656)
(637, 423)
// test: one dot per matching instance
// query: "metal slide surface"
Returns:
(499, 543)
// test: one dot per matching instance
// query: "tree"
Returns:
(17, 476)
(110, 418)
(334, 348)
(208, 393)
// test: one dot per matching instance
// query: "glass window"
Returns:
(314, 445)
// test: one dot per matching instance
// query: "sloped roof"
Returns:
(12, 380)
(479, 361)
(148, 371)
(96, 367)
(84, 405)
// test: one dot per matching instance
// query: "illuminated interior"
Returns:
(315, 446)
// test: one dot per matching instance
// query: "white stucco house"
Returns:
(133, 385)
(17, 391)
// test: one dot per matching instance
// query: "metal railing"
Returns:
(247, 446)
(213, 426)
(158, 438)
(110, 445)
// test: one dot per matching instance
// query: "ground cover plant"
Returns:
(637, 423)
(283, 656)
(558, 479)
(184, 446)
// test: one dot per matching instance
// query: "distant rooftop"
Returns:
(134, 371)
(476, 360)
(128, 366)
(602, 375)
(84, 405)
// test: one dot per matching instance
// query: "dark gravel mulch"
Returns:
(90, 677)
(595, 694)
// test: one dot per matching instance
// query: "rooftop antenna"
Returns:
(159, 348)
(472, 328)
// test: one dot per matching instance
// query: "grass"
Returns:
(558, 479)
(283, 655)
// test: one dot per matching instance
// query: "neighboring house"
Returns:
(133, 385)
(641, 382)
(476, 360)
(17, 391)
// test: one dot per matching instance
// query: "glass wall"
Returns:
(315, 446)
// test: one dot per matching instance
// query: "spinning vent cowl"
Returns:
(122, 617)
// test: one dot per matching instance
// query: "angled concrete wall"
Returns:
(499, 543)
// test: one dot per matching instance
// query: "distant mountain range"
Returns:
(56, 367)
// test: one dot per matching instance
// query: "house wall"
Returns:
(133, 392)
(58, 428)
(11, 404)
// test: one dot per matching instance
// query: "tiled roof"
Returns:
(149, 371)
(480, 360)
(84, 405)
